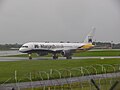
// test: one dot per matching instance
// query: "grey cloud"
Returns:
(58, 20)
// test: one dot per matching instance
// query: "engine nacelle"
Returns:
(42, 53)
(66, 53)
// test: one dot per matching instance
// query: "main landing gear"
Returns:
(55, 56)
(68, 57)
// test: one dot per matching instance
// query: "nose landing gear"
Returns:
(30, 56)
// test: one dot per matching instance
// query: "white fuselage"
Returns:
(35, 46)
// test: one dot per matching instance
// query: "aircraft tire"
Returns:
(55, 57)
(30, 58)
(68, 57)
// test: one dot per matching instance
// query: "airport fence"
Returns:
(93, 77)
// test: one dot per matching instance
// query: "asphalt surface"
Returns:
(55, 82)
(10, 52)
(50, 58)
(16, 52)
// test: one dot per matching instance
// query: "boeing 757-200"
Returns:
(65, 49)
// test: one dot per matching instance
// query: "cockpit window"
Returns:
(25, 46)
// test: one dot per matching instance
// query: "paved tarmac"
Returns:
(50, 58)
(10, 52)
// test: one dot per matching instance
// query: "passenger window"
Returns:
(36, 46)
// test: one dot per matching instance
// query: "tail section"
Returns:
(89, 38)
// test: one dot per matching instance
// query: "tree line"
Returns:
(10, 46)
(106, 45)
(98, 45)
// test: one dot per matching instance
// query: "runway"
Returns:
(50, 58)
(10, 52)
(16, 52)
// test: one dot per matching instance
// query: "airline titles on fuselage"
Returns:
(49, 46)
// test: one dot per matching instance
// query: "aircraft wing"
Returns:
(63, 49)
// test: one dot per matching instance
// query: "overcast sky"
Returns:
(58, 20)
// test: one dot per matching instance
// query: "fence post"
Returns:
(95, 84)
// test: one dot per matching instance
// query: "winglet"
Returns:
(89, 38)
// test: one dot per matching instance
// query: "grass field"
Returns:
(7, 69)
(99, 53)
(24, 68)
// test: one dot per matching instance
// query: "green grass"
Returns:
(99, 53)
(23, 68)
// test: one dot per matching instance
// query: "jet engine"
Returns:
(66, 53)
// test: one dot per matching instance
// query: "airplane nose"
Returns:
(20, 50)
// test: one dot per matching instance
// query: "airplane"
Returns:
(65, 49)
